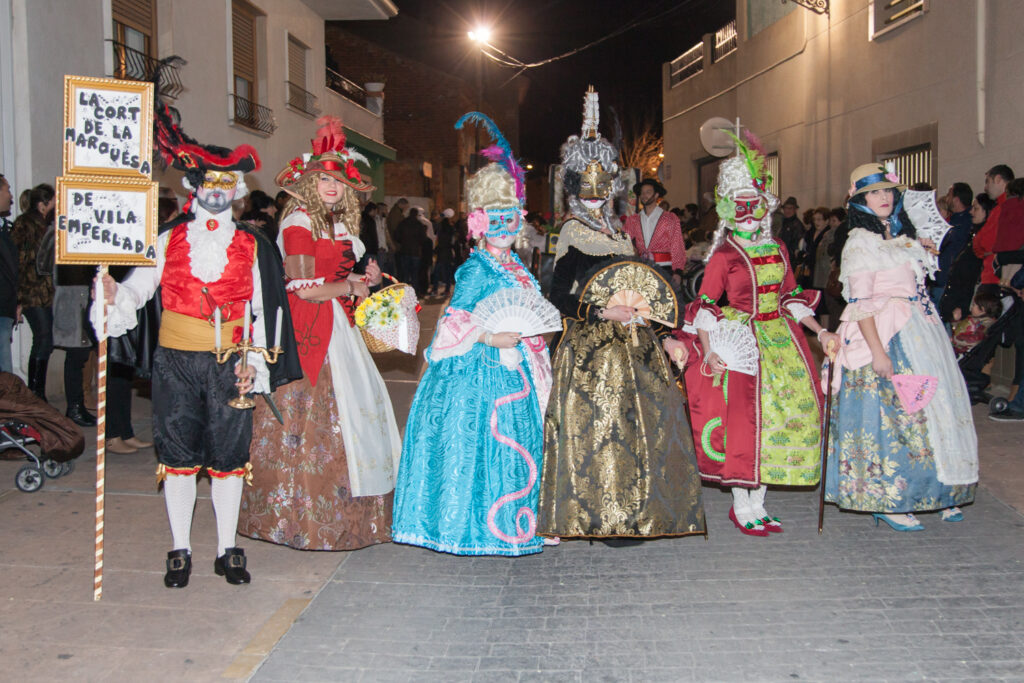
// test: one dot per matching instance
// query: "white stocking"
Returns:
(180, 498)
(227, 496)
(757, 502)
(741, 504)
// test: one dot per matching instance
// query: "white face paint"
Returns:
(215, 199)
(500, 242)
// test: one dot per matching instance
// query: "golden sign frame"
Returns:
(106, 184)
(144, 88)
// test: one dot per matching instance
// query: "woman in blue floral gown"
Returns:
(895, 455)
(469, 477)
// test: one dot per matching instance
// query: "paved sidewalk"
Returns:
(50, 627)
(857, 602)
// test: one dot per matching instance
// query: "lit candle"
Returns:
(277, 329)
(245, 322)
(216, 327)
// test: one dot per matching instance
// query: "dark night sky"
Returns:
(625, 70)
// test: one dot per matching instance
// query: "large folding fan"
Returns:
(636, 284)
(735, 345)
(517, 310)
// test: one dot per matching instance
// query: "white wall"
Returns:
(826, 92)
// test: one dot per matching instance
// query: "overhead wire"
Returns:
(508, 60)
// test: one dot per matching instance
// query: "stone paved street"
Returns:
(858, 603)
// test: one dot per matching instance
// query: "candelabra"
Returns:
(242, 401)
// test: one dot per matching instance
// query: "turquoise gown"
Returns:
(469, 477)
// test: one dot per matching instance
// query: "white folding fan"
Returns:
(517, 310)
(735, 345)
(928, 222)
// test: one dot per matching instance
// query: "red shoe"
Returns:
(750, 529)
(772, 524)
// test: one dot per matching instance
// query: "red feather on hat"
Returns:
(330, 136)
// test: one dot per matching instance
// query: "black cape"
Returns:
(135, 348)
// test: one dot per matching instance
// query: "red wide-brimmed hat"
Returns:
(330, 156)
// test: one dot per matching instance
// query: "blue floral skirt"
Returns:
(880, 457)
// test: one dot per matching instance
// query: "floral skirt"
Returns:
(300, 493)
(880, 457)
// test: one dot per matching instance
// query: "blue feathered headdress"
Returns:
(500, 151)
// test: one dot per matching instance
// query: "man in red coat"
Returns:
(996, 180)
(655, 232)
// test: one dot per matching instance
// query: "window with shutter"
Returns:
(243, 41)
(134, 37)
(296, 62)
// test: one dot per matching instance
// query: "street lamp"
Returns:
(481, 35)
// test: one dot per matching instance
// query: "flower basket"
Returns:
(387, 319)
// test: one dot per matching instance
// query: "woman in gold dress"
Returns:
(618, 456)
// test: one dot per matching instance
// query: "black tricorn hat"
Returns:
(659, 189)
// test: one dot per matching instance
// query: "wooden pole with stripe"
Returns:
(99, 301)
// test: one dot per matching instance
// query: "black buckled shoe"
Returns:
(179, 568)
(231, 565)
(80, 416)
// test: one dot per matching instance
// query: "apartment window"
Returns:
(133, 38)
(771, 162)
(243, 42)
(913, 164)
(298, 97)
(885, 15)
(912, 152)
(686, 65)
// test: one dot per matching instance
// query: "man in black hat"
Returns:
(210, 270)
(656, 232)
(789, 230)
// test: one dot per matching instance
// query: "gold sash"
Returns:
(185, 333)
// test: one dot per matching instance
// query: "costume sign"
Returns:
(106, 221)
(106, 212)
(106, 202)
(107, 127)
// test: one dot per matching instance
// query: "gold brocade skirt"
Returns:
(618, 452)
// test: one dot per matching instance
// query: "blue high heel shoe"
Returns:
(896, 525)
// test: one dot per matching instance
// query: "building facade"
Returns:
(255, 72)
(936, 88)
(934, 85)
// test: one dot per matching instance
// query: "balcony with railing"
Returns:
(346, 88)
(687, 65)
(133, 65)
(254, 116)
(725, 40)
(301, 100)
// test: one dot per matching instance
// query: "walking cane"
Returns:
(824, 439)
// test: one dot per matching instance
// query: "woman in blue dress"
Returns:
(895, 452)
(469, 477)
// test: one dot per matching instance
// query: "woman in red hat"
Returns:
(324, 481)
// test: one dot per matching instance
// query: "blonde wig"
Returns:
(491, 188)
(304, 195)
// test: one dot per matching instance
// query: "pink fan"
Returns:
(915, 391)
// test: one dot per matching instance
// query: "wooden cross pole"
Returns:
(101, 428)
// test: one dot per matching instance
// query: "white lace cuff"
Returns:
(261, 383)
(121, 316)
(303, 284)
(799, 311)
(705, 320)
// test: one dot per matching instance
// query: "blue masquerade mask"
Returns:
(503, 222)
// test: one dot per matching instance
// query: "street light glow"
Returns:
(529, 167)
(481, 34)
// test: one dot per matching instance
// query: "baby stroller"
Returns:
(1003, 332)
(26, 420)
